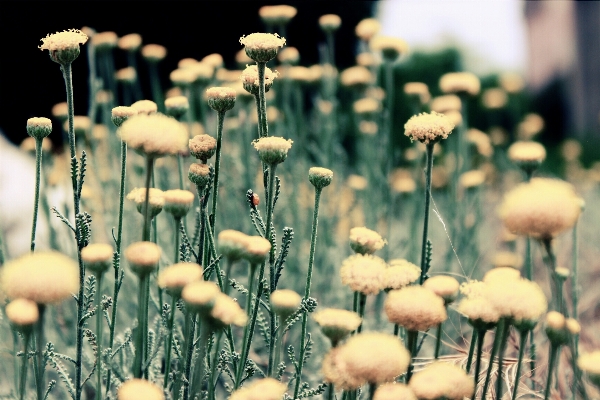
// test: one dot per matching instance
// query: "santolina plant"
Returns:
(262, 276)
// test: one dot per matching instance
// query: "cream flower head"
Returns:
(400, 273)
(444, 286)
(97, 257)
(226, 311)
(394, 391)
(415, 308)
(460, 82)
(365, 241)
(330, 22)
(174, 278)
(441, 380)
(262, 47)
(356, 77)
(445, 103)
(143, 257)
(363, 273)
(367, 28)
(527, 153)
(284, 302)
(135, 389)
(22, 314)
(45, 277)
(249, 79)
(232, 244)
(156, 200)
(519, 299)
(64, 46)
(390, 47)
(262, 389)
(479, 310)
(272, 150)
(178, 202)
(336, 324)
(419, 89)
(428, 127)
(155, 135)
(277, 14)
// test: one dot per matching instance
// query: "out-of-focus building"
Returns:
(564, 50)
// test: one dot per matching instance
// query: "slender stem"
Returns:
(190, 331)
(177, 238)
(157, 94)
(168, 350)
(331, 392)
(575, 277)
(411, 345)
(362, 300)
(121, 199)
(331, 47)
(213, 367)
(503, 343)
(528, 260)
(429, 161)
(140, 343)
(551, 364)
(278, 345)
(262, 105)
(438, 341)
(471, 350)
(215, 191)
(146, 209)
(41, 343)
(38, 168)
(396, 330)
(249, 330)
(495, 347)
(99, 317)
(311, 260)
(24, 365)
(556, 303)
(372, 388)
(199, 371)
(522, 344)
(272, 317)
(480, 340)
(180, 170)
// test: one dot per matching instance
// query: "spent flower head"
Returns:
(203, 147)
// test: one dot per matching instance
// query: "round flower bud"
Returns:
(60, 110)
(174, 277)
(104, 41)
(363, 273)
(394, 391)
(221, 99)
(199, 296)
(277, 15)
(285, 302)
(460, 82)
(145, 107)
(135, 389)
(507, 259)
(365, 241)
(272, 150)
(178, 202)
(556, 328)
(494, 98)
(444, 286)
(416, 308)
(262, 47)
(22, 314)
(226, 311)
(249, 79)
(156, 200)
(143, 257)
(215, 60)
(177, 106)
(589, 363)
(203, 147)
(121, 114)
(154, 52)
(155, 135)
(39, 128)
(232, 244)
(400, 273)
(320, 177)
(289, 55)
(45, 277)
(367, 28)
(391, 48)
(573, 327)
(330, 22)
(126, 75)
(441, 380)
(263, 389)
(527, 155)
(480, 312)
(257, 249)
(428, 127)
(97, 257)
(131, 42)
(64, 46)
(356, 77)
(336, 324)
(418, 89)
(199, 174)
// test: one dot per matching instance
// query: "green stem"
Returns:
(24, 365)
(278, 346)
(503, 343)
(575, 277)
(362, 301)
(495, 347)
(141, 338)
(213, 367)
(157, 95)
(480, 340)
(38, 168)
(311, 260)
(262, 105)
(411, 345)
(215, 191)
(438, 342)
(99, 316)
(177, 238)
(199, 371)
(522, 344)
(146, 209)
(190, 331)
(556, 303)
(553, 355)
(168, 350)
(471, 350)
(41, 343)
(270, 198)
(372, 388)
(180, 170)
(429, 161)
(249, 330)
(331, 392)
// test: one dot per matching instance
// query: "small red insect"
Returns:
(255, 200)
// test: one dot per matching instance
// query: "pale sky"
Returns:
(493, 31)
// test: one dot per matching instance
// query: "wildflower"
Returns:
(285, 302)
(589, 364)
(428, 127)
(480, 311)
(134, 389)
(454, 116)
(131, 42)
(45, 277)
(155, 135)
(356, 77)
(390, 47)
(262, 47)
(519, 299)
(472, 179)
(221, 98)
(365, 241)
(64, 46)
(507, 259)
(22, 314)
(145, 107)
(249, 79)
(126, 75)
(371, 357)
(415, 308)
(460, 82)
(527, 154)
(357, 182)
(203, 147)
(257, 249)
(444, 286)
(363, 273)
(400, 273)
(512, 82)
(97, 257)
(143, 257)
(154, 52)
(104, 41)
(320, 177)
(403, 185)
(178, 202)
(481, 141)
(227, 311)
(330, 22)
(263, 389)
(366, 107)
(272, 150)
(177, 106)
(541, 208)
(121, 114)
(531, 126)
(440, 380)
(232, 244)
(394, 391)
(336, 324)
(418, 89)
(277, 15)
(199, 174)
(443, 104)
(200, 296)
(289, 55)
(183, 76)
(367, 28)
(494, 98)
(39, 128)
(367, 60)
(60, 110)
(556, 328)
(501, 274)
(156, 200)
(174, 278)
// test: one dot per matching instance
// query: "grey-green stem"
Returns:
(99, 317)
(429, 162)
(249, 330)
(522, 344)
(215, 191)
(38, 168)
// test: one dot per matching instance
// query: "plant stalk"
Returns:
(38, 168)
(429, 161)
